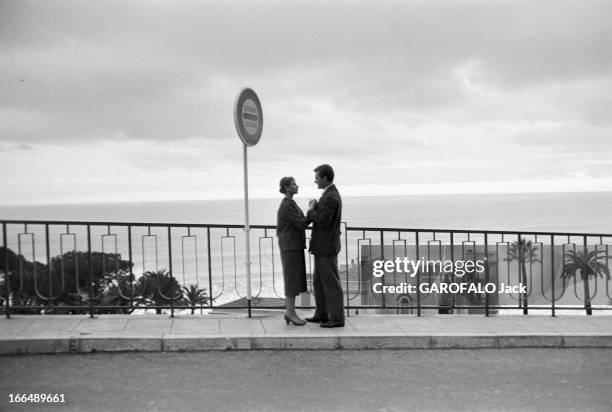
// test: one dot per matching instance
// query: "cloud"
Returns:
(23, 146)
(150, 71)
(424, 91)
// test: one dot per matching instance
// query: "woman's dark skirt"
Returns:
(294, 272)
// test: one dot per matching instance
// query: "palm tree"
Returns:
(590, 264)
(195, 296)
(157, 289)
(522, 251)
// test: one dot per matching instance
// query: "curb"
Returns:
(195, 343)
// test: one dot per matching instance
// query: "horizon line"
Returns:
(379, 195)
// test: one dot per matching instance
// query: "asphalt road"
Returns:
(386, 380)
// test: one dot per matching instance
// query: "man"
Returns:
(325, 246)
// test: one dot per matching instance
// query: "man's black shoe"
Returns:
(332, 324)
(316, 319)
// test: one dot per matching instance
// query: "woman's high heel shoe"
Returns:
(297, 322)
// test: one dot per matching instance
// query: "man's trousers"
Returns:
(327, 288)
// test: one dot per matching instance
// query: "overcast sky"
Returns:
(129, 100)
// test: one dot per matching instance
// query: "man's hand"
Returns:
(312, 203)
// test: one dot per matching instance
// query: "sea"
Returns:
(581, 212)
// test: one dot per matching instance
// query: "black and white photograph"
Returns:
(349, 205)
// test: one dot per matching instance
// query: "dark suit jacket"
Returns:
(326, 217)
(290, 225)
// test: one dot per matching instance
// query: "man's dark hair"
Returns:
(325, 171)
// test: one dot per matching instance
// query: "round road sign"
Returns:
(248, 117)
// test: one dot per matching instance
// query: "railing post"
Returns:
(346, 262)
(523, 274)
(451, 299)
(552, 271)
(49, 274)
(486, 259)
(91, 283)
(418, 276)
(210, 293)
(7, 279)
(585, 283)
(382, 257)
(131, 270)
(170, 269)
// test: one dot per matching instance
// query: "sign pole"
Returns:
(248, 119)
(247, 228)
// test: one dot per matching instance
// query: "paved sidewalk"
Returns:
(110, 333)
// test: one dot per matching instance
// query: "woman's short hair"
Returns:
(285, 182)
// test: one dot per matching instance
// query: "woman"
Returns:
(290, 225)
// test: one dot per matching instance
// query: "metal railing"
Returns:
(109, 267)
